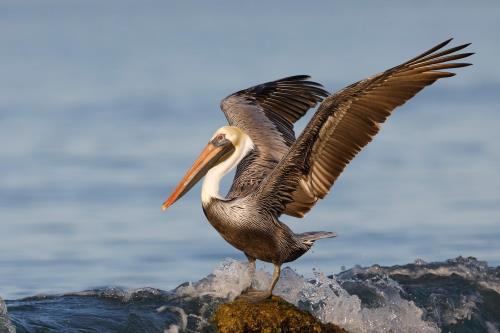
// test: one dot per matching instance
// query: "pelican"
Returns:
(278, 174)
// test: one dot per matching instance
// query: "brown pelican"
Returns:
(277, 174)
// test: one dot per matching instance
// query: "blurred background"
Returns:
(105, 104)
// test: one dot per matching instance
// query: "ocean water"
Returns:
(459, 295)
(104, 105)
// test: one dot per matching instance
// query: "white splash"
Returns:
(228, 280)
(329, 302)
(322, 296)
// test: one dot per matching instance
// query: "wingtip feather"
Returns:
(442, 44)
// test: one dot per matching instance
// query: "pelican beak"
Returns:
(209, 157)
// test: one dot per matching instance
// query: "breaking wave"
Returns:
(459, 295)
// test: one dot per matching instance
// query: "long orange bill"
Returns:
(207, 159)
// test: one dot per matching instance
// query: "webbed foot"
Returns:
(248, 290)
(254, 295)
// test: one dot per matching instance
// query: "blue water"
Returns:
(104, 105)
(459, 295)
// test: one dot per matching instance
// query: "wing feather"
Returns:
(345, 123)
(266, 113)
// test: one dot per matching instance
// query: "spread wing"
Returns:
(344, 123)
(266, 113)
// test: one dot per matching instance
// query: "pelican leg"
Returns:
(251, 272)
(259, 295)
(251, 267)
(276, 277)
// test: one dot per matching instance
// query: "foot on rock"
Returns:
(254, 295)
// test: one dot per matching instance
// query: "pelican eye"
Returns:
(220, 140)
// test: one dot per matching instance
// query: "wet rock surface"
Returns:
(458, 295)
(272, 315)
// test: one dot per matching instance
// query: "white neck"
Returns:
(210, 188)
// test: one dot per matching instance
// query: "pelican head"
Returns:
(223, 152)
